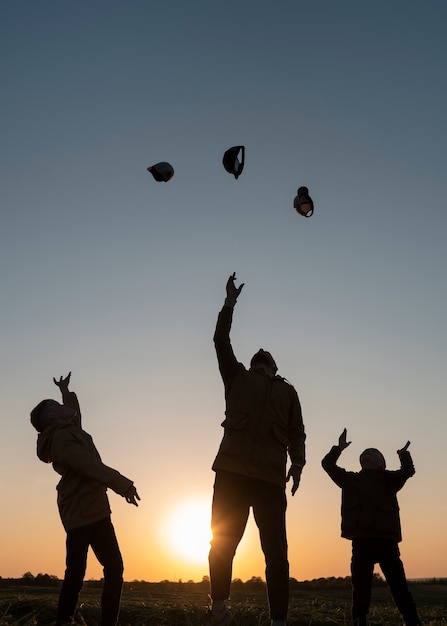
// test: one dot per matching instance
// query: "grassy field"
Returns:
(26, 606)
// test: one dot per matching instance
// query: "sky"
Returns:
(119, 279)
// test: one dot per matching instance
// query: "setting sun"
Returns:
(188, 531)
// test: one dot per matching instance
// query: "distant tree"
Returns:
(294, 584)
(46, 580)
(324, 583)
(166, 584)
(255, 582)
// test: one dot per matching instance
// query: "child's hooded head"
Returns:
(49, 412)
(372, 459)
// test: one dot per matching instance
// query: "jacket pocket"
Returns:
(93, 501)
(350, 520)
(235, 420)
(279, 435)
(387, 519)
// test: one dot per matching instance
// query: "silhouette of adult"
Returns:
(263, 423)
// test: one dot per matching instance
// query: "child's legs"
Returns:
(362, 567)
(393, 570)
(105, 546)
(76, 561)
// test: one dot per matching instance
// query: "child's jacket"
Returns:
(369, 505)
(81, 491)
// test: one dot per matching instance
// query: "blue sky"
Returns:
(119, 279)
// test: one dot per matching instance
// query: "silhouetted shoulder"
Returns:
(284, 380)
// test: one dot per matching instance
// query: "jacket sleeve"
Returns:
(405, 472)
(296, 434)
(330, 466)
(69, 398)
(226, 359)
(70, 453)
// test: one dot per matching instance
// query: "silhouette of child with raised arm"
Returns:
(82, 501)
(370, 518)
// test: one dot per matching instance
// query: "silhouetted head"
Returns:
(371, 458)
(48, 412)
(263, 361)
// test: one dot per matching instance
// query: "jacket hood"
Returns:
(44, 441)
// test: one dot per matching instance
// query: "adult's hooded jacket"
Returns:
(263, 420)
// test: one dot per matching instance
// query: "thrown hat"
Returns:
(231, 162)
(303, 203)
(162, 172)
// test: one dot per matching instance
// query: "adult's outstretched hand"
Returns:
(233, 291)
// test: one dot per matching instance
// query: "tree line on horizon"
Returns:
(254, 583)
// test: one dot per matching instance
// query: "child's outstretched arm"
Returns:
(406, 466)
(63, 383)
(69, 398)
(329, 462)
